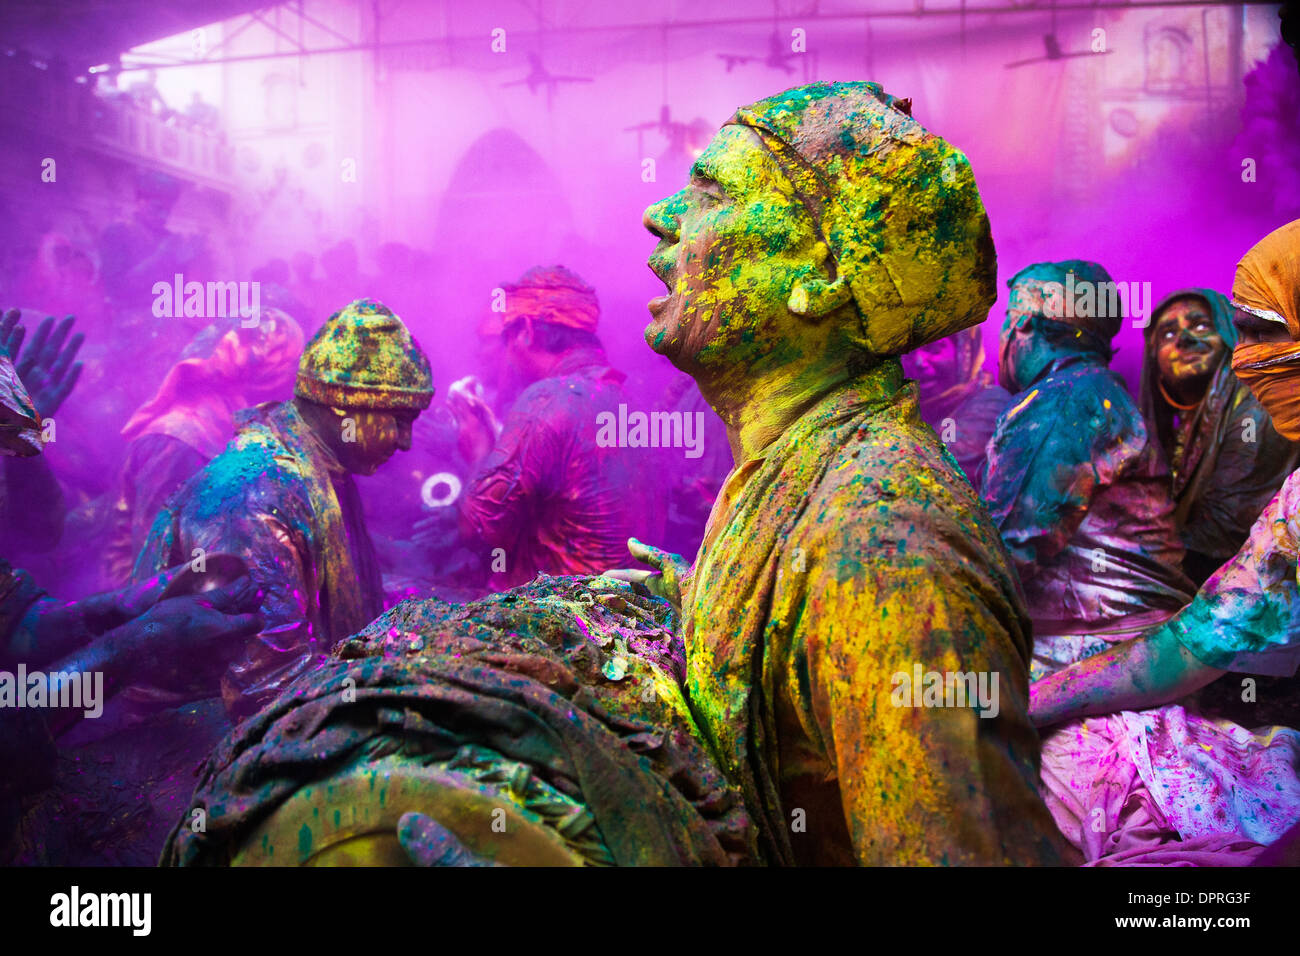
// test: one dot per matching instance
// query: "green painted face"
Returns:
(732, 245)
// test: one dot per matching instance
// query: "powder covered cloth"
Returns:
(1079, 490)
(1168, 787)
(573, 683)
(549, 495)
(277, 498)
(1201, 782)
(844, 554)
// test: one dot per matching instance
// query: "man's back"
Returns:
(549, 494)
(848, 563)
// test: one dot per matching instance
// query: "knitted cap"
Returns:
(365, 357)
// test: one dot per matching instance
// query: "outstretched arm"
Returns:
(1146, 672)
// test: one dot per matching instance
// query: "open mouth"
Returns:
(663, 272)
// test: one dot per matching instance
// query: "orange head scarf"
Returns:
(199, 396)
(1268, 281)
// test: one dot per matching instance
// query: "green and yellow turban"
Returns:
(896, 205)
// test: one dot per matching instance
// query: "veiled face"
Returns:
(1188, 348)
(1253, 330)
(1023, 354)
(732, 244)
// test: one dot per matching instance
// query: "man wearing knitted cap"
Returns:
(549, 497)
(848, 572)
(281, 496)
(1076, 484)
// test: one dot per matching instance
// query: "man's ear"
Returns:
(817, 298)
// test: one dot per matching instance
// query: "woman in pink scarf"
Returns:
(190, 420)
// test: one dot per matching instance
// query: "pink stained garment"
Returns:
(1165, 787)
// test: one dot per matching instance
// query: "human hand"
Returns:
(428, 843)
(46, 367)
(184, 644)
(665, 582)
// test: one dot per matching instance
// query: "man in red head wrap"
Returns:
(549, 497)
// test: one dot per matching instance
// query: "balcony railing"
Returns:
(53, 103)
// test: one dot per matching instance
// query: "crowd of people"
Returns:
(869, 506)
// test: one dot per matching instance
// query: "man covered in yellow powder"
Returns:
(856, 643)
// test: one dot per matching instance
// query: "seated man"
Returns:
(1225, 457)
(1076, 485)
(823, 233)
(550, 496)
(281, 496)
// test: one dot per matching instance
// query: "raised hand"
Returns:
(46, 366)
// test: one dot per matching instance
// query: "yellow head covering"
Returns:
(896, 205)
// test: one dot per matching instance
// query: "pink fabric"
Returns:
(197, 400)
(1165, 787)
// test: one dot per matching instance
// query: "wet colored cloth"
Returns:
(1225, 457)
(548, 494)
(1079, 490)
(575, 680)
(1168, 787)
(844, 554)
(277, 498)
